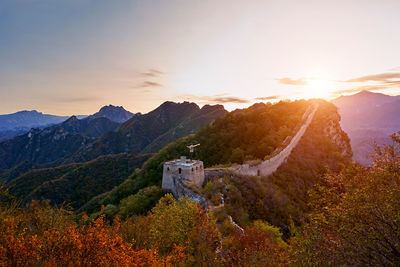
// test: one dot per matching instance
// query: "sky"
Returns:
(69, 57)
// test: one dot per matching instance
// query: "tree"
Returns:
(183, 223)
(259, 245)
(357, 216)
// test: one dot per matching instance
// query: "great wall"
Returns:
(267, 167)
(179, 173)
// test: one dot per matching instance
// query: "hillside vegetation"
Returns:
(77, 183)
(317, 209)
(82, 140)
(282, 198)
(52, 145)
(152, 131)
(248, 134)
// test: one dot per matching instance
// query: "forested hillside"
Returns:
(75, 184)
(282, 199)
(52, 145)
(151, 131)
(242, 135)
(286, 218)
(82, 140)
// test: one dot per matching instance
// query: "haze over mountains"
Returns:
(20, 122)
(368, 117)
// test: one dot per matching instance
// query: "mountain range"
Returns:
(247, 135)
(28, 119)
(150, 132)
(368, 117)
(21, 122)
(80, 140)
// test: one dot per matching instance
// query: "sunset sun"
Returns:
(317, 88)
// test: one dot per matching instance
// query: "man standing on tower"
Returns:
(191, 149)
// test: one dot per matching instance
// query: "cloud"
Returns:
(230, 99)
(215, 99)
(151, 84)
(373, 82)
(290, 81)
(147, 84)
(273, 97)
(147, 79)
(381, 77)
(152, 73)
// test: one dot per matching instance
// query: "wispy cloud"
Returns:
(147, 84)
(230, 99)
(372, 82)
(152, 73)
(149, 79)
(215, 99)
(273, 97)
(381, 77)
(150, 84)
(290, 81)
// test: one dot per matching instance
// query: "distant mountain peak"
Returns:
(114, 113)
(172, 105)
(73, 118)
(367, 98)
(213, 107)
(111, 107)
(28, 119)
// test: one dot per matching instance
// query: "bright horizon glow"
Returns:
(73, 57)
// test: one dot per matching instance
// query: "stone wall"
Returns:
(267, 167)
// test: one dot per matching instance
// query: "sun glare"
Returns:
(317, 88)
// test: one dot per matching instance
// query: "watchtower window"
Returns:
(192, 170)
(167, 168)
(197, 168)
(180, 170)
(258, 172)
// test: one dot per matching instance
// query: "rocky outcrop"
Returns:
(337, 135)
(181, 190)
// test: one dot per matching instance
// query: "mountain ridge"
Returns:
(73, 140)
(114, 113)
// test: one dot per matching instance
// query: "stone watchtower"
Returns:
(182, 171)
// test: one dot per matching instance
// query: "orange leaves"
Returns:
(257, 246)
(86, 244)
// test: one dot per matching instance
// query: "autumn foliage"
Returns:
(44, 236)
(353, 221)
